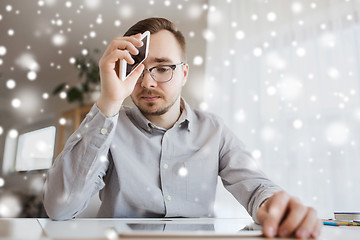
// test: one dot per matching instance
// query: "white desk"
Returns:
(103, 228)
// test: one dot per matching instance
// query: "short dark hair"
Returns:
(154, 25)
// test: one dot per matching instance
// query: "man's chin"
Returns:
(151, 109)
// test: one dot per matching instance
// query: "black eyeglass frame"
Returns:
(172, 66)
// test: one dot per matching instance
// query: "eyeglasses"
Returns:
(161, 73)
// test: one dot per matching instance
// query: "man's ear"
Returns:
(185, 69)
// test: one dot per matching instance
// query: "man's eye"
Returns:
(162, 69)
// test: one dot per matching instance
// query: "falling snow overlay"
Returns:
(283, 76)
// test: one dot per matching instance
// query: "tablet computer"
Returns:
(177, 229)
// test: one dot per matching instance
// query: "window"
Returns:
(35, 149)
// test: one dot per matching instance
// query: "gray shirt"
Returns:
(146, 171)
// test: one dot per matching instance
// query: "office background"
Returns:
(282, 74)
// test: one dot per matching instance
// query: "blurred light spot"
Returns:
(111, 234)
(72, 60)
(11, 32)
(333, 73)
(268, 133)
(256, 154)
(92, 34)
(13, 133)
(10, 84)
(203, 106)
(10, 206)
(68, 4)
(8, 8)
(62, 121)
(240, 115)
(2, 50)
(58, 40)
(297, 124)
(198, 60)
(239, 34)
(2, 181)
(45, 96)
(117, 23)
(16, 103)
(99, 20)
(92, 4)
(300, 52)
(183, 172)
(337, 133)
(103, 158)
(257, 52)
(1, 130)
(208, 35)
(271, 90)
(271, 16)
(254, 17)
(84, 52)
(37, 184)
(31, 75)
(215, 16)
(296, 7)
(194, 11)
(290, 88)
(275, 61)
(126, 11)
(63, 95)
(50, 2)
(27, 62)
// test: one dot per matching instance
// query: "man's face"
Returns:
(154, 98)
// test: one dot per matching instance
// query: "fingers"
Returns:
(310, 226)
(276, 210)
(285, 215)
(134, 76)
(297, 213)
(126, 43)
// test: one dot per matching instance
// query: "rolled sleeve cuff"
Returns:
(99, 126)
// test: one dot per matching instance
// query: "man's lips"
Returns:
(150, 98)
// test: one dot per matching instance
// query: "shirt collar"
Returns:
(184, 120)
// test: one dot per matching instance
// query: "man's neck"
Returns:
(168, 119)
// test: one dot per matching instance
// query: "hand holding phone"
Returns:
(125, 69)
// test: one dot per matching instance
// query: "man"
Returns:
(161, 158)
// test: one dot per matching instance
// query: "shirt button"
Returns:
(180, 125)
(103, 131)
(169, 197)
(166, 166)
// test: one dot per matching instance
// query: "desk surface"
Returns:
(32, 228)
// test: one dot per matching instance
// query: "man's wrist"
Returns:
(107, 108)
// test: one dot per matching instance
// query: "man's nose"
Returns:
(147, 80)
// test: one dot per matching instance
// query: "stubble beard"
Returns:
(158, 112)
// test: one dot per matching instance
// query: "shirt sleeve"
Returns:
(241, 175)
(77, 173)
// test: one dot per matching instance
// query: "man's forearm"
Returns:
(78, 170)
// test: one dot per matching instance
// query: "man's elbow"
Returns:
(56, 210)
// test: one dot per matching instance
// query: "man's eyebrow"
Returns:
(162, 60)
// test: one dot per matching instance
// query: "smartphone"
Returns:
(126, 69)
